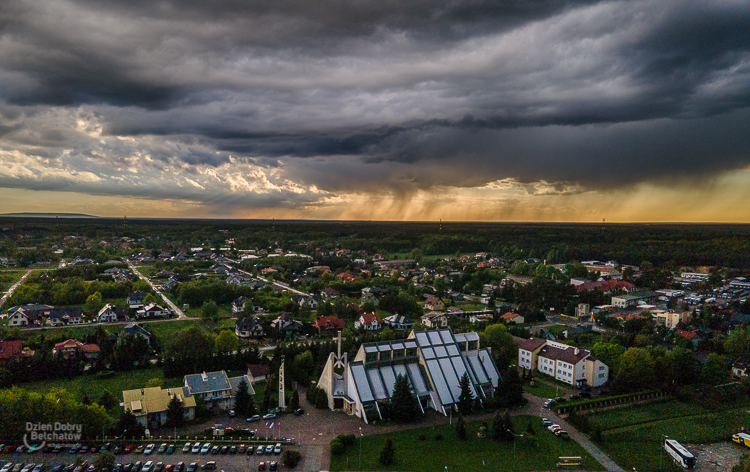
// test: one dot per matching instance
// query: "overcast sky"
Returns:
(460, 110)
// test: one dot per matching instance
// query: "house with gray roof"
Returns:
(216, 388)
(433, 361)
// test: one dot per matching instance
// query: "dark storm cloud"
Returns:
(375, 95)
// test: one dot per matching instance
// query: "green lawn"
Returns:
(8, 278)
(541, 390)
(93, 385)
(539, 452)
(162, 330)
(632, 437)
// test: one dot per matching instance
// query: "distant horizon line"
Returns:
(72, 216)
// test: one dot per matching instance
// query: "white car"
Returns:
(206, 447)
(148, 466)
(553, 426)
(186, 447)
(196, 448)
(269, 449)
(548, 403)
(277, 448)
(546, 422)
(7, 467)
(149, 449)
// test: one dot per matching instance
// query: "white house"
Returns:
(568, 364)
(368, 322)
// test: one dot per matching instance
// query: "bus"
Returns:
(569, 462)
(679, 454)
(742, 438)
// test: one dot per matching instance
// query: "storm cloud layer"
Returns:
(298, 104)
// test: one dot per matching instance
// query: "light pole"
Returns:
(514, 445)
(360, 448)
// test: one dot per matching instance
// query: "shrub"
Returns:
(347, 439)
(438, 437)
(388, 454)
(422, 437)
(337, 447)
(291, 458)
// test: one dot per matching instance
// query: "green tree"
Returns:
(242, 399)
(128, 426)
(609, 354)
(294, 404)
(388, 453)
(201, 410)
(636, 370)
(403, 402)
(104, 461)
(107, 400)
(465, 398)
(461, 428)
(497, 337)
(155, 382)
(150, 298)
(210, 310)
(737, 343)
(93, 304)
(226, 341)
(715, 370)
(175, 412)
(510, 389)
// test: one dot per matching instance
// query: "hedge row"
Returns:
(609, 401)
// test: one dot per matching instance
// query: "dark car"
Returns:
(179, 467)
(261, 465)
(192, 467)
(224, 449)
(233, 450)
(273, 465)
(299, 412)
(58, 468)
(216, 449)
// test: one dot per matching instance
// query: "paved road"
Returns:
(180, 314)
(278, 284)
(13, 287)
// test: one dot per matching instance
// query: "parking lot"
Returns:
(227, 461)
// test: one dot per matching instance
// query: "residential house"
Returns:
(631, 300)
(285, 322)
(670, 319)
(571, 365)
(238, 305)
(65, 316)
(346, 277)
(13, 351)
(481, 318)
(434, 304)
(368, 322)
(25, 315)
(328, 324)
(239, 279)
(112, 314)
(258, 372)
(528, 351)
(511, 317)
(150, 405)
(740, 368)
(432, 361)
(152, 310)
(249, 327)
(170, 284)
(398, 322)
(329, 293)
(72, 348)
(135, 329)
(368, 295)
(216, 388)
(135, 299)
(310, 302)
(435, 320)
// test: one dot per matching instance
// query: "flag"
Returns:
(271, 427)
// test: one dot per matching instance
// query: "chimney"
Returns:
(577, 351)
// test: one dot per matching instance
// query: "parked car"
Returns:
(210, 465)
(38, 468)
(93, 449)
(273, 465)
(192, 467)
(269, 449)
(163, 448)
(241, 449)
(269, 416)
(7, 467)
(299, 412)
(215, 449)
(553, 426)
(20, 449)
(224, 449)
(169, 468)
(277, 448)
(149, 449)
(179, 467)
(18, 467)
(259, 450)
(233, 450)
(148, 466)
(116, 450)
(186, 447)
(548, 403)
(170, 448)
(231, 413)
(28, 467)
(196, 448)
(253, 418)
(206, 447)
(562, 434)
(261, 465)
(84, 449)
(139, 449)
(546, 422)
(60, 467)
(137, 466)
(159, 467)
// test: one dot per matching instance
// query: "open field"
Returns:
(541, 389)
(539, 452)
(632, 436)
(162, 329)
(8, 278)
(94, 385)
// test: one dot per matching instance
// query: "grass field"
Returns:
(541, 389)
(8, 278)
(162, 330)
(539, 452)
(93, 385)
(632, 437)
